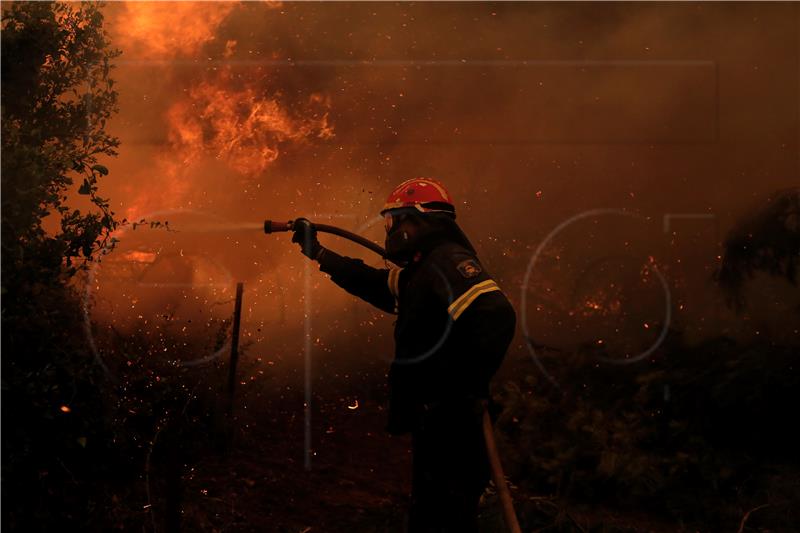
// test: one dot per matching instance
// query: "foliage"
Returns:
(86, 447)
(56, 98)
(112, 459)
(767, 240)
(163, 417)
(57, 95)
(686, 435)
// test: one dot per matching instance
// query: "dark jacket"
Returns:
(453, 326)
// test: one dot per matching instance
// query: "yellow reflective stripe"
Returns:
(394, 281)
(463, 301)
(463, 308)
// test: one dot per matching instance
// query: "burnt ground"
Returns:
(359, 478)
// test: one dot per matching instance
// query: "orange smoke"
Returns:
(163, 30)
(243, 128)
(228, 121)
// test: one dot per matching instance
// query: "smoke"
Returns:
(530, 113)
(163, 31)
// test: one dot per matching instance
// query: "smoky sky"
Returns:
(681, 116)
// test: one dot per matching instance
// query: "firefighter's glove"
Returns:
(305, 234)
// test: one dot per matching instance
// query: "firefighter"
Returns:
(453, 328)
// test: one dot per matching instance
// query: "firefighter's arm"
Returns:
(377, 286)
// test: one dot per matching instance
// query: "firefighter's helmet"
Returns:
(424, 194)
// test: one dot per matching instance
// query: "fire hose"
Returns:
(488, 433)
(275, 227)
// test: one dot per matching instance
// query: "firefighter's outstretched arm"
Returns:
(373, 285)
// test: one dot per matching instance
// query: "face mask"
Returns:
(400, 239)
(399, 247)
(409, 233)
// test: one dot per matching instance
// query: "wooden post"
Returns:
(237, 318)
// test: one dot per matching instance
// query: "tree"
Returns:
(56, 98)
(765, 241)
(57, 95)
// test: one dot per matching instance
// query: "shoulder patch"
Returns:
(469, 268)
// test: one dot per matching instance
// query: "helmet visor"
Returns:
(393, 218)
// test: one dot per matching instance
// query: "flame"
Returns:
(601, 303)
(593, 305)
(140, 257)
(241, 127)
(163, 30)
(215, 122)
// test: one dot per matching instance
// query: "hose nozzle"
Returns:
(275, 227)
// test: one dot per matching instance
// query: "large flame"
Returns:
(243, 128)
(228, 120)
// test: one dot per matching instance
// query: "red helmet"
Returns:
(424, 194)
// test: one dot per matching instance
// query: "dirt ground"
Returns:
(360, 476)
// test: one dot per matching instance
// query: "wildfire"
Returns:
(140, 257)
(602, 303)
(214, 118)
(593, 305)
(243, 128)
(162, 30)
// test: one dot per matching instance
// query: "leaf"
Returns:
(82, 441)
(85, 188)
(100, 169)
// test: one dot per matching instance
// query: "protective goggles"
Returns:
(393, 218)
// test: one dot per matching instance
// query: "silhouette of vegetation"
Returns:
(57, 96)
(696, 435)
(765, 241)
(73, 441)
